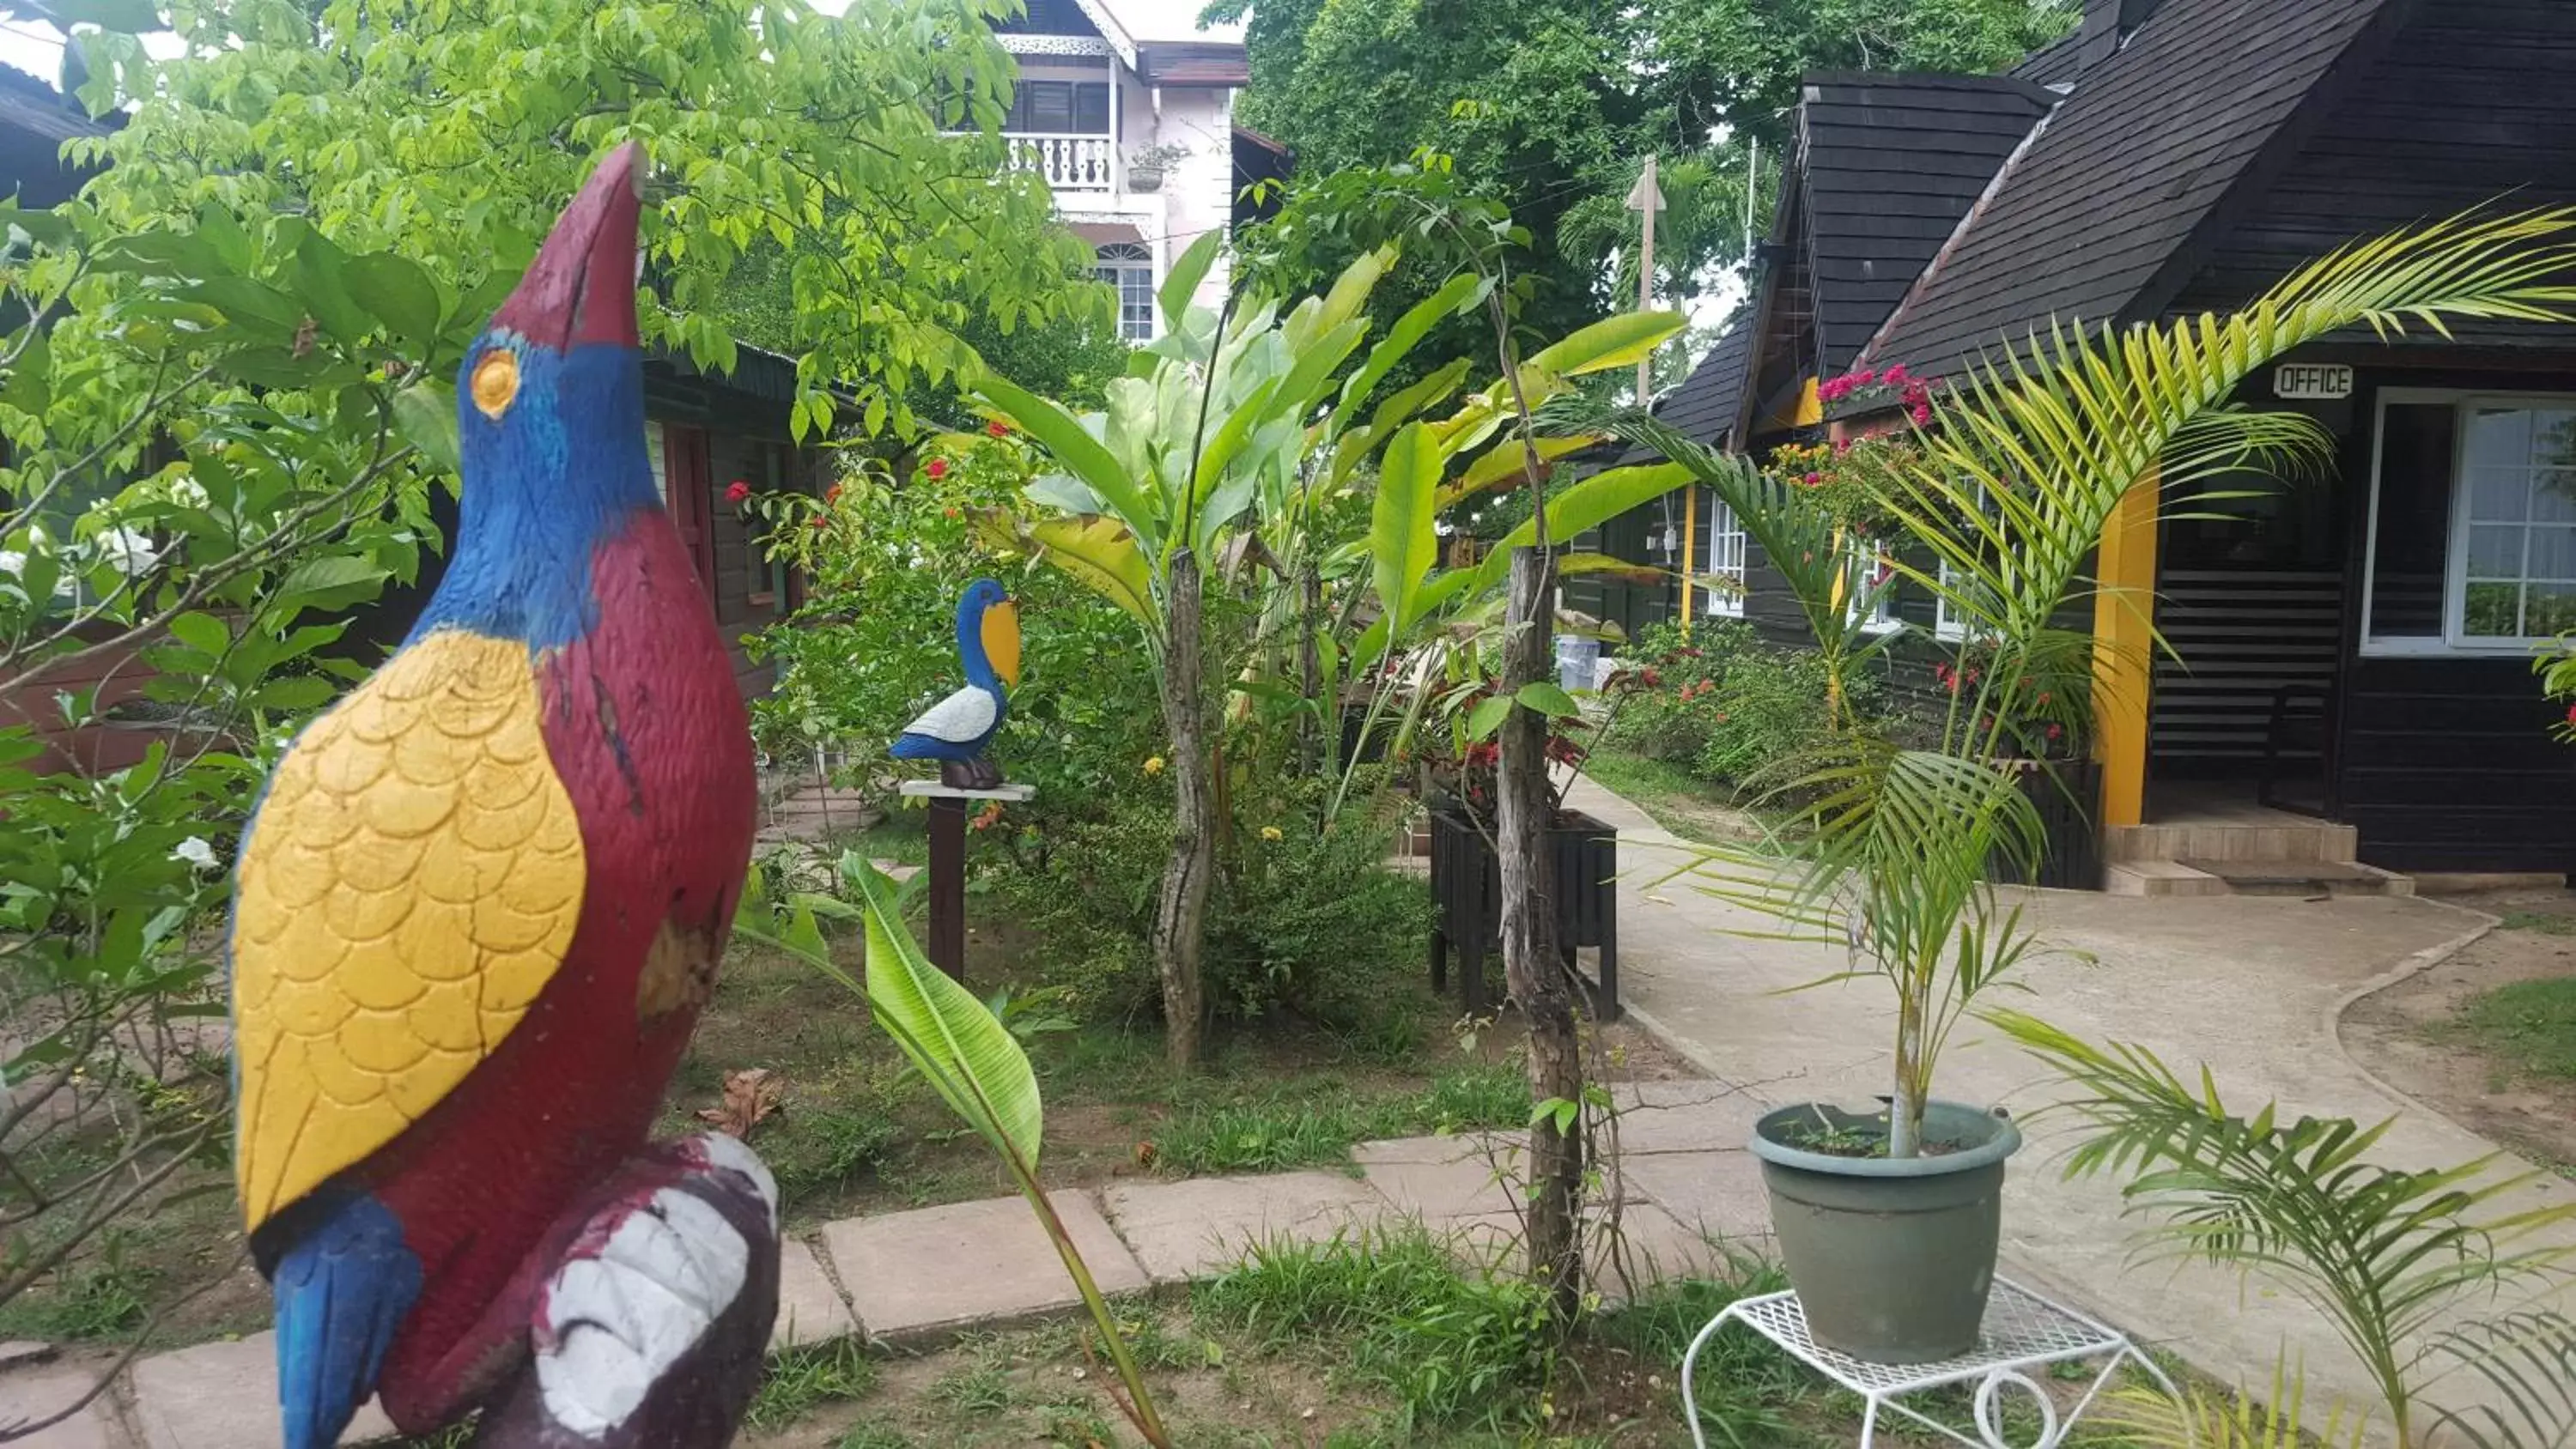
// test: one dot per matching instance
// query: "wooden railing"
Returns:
(1069, 163)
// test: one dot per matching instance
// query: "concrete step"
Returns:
(2301, 878)
(2158, 878)
(2283, 839)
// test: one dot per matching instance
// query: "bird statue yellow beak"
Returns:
(1002, 641)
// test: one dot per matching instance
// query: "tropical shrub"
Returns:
(1303, 918)
(1769, 713)
(1668, 688)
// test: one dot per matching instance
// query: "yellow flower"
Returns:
(1154, 765)
(1271, 832)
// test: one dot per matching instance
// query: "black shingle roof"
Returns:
(1704, 407)
(2058, 63)
(2126, 170)
(1890, 163)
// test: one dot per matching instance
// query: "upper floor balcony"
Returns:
(1069, 162)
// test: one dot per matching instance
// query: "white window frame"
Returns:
(1112, 261)
(2453, 640)
(1883, 619)
(1713, 602)
(1945, 628)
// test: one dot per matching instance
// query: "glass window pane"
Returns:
(2495, 553)
(2549, 609)
(2553, 495)
(2410, 545)
(2498, 436)
(2499, 495)
(2492, 611)
(2552, 554)
(1091, 108)
(2553, 440)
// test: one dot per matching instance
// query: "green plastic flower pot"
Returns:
(1892, 1258)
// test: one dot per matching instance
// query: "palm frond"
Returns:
(2529, 1360)
(2202, 1418)
(2382, 1254)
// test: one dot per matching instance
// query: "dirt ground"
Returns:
(2409, 1034)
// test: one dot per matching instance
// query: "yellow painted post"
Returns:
(1690, 551)
(2124, 616)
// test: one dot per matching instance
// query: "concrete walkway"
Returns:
(2250, 985)
(921, 1277)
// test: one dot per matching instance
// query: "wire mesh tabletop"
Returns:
(2021, 1330)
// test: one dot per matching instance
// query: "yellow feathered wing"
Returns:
(412, 882)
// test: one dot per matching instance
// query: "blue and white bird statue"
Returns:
(956, 730)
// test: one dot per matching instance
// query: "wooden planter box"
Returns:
(2068, 794)
(1467, 903)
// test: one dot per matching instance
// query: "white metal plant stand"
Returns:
(2021, 1331)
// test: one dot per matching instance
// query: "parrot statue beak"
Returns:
(1002, 641)
(581, 287)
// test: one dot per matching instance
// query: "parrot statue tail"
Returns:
(649, 1329)
(341, 1291)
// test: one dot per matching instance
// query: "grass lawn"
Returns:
(2528, 1027)
(1369, 1344)
(1681, 802)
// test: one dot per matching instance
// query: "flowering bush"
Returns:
(1873, 390)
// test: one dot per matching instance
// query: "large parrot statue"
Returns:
(477, 913)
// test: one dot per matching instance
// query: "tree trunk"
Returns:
(1531, 966)
(1180, 915)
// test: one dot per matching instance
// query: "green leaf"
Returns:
(1548, 698)
(967, 1057)
(254, 307)
(1586, 505)
(398, 292)
(31, 379)
(1403, 545)
(1085, 456)
(1188, 270)
(425, 414)
(320, 280)
(1488, 716)
(122, 17)
(1506, 462)
(1462, 291)
(1621, 341)
(1103, 555)
(203, 633)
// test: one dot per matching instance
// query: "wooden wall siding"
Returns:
(2469, 106)
(746, 595)
(2240, 636)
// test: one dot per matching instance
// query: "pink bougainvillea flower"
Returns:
(737, 492)
(1894, 375)
(1863, 378)
(937, 468)
(1922, 414)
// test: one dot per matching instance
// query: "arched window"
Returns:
(1129, 266)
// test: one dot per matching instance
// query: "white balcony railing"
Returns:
(1069, 163)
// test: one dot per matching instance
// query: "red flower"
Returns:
(1863, 378)
(1895, 376)
(2571, 714)
(822, 520)
(1922, 415)
(832, 494)
(1842, 447)
(1649, 677)
(738, 492)
(1815, 480)
(2054, 731)
(998, 428)
(937, 468)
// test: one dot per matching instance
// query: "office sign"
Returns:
(2312, 381)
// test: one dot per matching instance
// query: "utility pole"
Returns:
(1647, 198)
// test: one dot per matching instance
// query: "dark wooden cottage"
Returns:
(2358, 650)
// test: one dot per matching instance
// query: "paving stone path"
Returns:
(921, 1277)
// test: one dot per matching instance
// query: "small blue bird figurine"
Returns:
(955, 731)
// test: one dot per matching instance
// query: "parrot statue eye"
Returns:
(496, 381)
